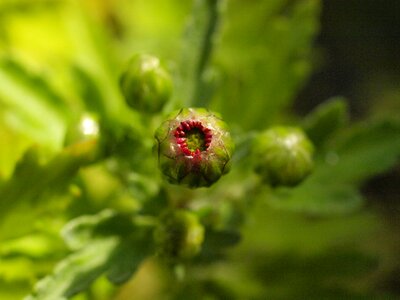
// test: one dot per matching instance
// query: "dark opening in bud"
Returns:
(193, 137)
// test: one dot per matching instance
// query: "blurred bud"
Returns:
(83, 138)
(145, 84)
(283, 155)
(194, 147)
(179, 235)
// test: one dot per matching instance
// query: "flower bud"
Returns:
(145, 84)
(283, 155)
(179, 235)
(194, 147)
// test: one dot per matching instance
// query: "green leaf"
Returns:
(365, 150)
(198, 43)
(75, 273)
(106, 243)
(264, 58)
(32, 179)
(326, 119)
(32, 104)
(317, 199)
(95, 59)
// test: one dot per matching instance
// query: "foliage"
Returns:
(61, 61)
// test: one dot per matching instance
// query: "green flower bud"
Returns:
(194, 147)
(83, 138)
(179, 235)
(283, 155)
(145, 84)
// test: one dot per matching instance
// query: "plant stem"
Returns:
(214, 12)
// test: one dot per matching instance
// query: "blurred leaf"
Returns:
(317, 199)
(77, 271)
(95, 59)
(106, 243)
(88, 90)
(360, 153)
(35, 245)
(363, 151)
(198, 42)
(288, 275)
(325, 120)
(33, 179)
(32, 104)
(215, 244)
(12, 147)
(264, 58)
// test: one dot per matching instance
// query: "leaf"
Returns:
(215, 244)
(317, 199)
(95, 59)
(75, 273)
(32, 179)
(363, 151)
(366, 150)
(106, 243)
(264, 58)
(32, 104)
(326, 119)
(198, 42)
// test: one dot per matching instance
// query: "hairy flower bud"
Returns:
(284, 155)
(145, 84)
(179, 235)
(194, 147)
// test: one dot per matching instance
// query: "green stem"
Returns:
(198, 43)
(206, 52)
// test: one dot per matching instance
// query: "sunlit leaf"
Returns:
(32, 104)
(106, 243)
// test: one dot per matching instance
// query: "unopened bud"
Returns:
(284, 155)
(194, 147)
(145, 84)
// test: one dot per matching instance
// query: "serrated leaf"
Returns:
(326, 119)
(108, 243)
(33, 179)
(75, 273)
(80, 231)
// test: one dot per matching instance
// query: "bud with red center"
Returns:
(194, 147)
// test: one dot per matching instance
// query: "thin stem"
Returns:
(206, 51)
(197, 47)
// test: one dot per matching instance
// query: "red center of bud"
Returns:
(192, 137)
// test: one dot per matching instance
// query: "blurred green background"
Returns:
(273, 62)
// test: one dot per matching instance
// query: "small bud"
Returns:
(283, 155)
(194, 147)
(179, 235)
(145, 84)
